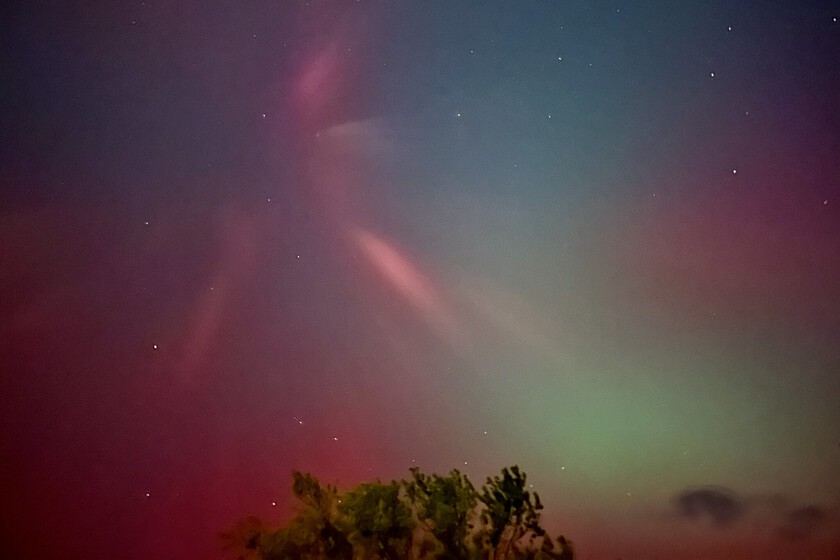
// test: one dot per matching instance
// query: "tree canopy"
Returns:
(426, 517)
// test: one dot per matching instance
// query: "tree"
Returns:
(445, 507)
(311, 535)
(510, 511)
(426, 517)
(315, 527)
(377, 521)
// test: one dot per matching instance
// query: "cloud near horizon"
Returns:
(720, 505)
(723, 508)
(802, 523)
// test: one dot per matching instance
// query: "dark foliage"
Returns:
(425, 517)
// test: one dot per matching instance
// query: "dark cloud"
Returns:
(720, 505)
(801, 523)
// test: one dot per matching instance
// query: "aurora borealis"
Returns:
(599, 240)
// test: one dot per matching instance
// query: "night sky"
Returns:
(600, 240)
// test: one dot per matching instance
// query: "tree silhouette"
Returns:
(445, 506)
(510, 511)
(377, 521)
(425, 517)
